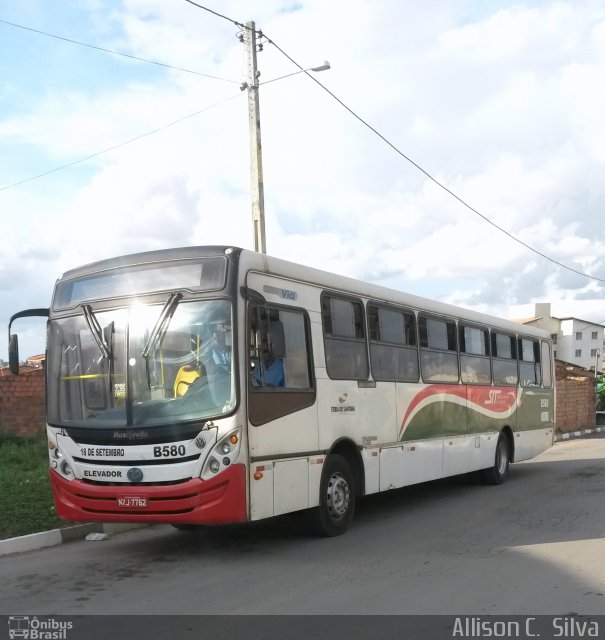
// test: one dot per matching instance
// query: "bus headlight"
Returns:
(228, 445)
(65, 468)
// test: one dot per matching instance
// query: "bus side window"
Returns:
(393, 349)
(504, 359)
(438, 350)
(279, 349)
(475, 365)
(344, 338)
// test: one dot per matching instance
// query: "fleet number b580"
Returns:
(169, 451)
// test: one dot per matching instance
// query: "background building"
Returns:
(579, 342)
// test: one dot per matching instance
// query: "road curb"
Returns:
(572, 435)
(54, 537)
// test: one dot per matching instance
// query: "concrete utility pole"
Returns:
(256, 155)
(256, 158)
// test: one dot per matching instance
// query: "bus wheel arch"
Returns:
(341, 482)
(351, 453)
(503, 456)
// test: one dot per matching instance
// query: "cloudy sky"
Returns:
(501, 102)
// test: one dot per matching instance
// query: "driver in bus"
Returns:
(270, 372)
(220, 352)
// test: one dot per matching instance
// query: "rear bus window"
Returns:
(529, 362)
(546, 365)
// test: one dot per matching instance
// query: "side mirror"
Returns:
(13, 341)
(13, 354)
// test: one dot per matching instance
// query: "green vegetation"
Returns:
(601, 393)
(26, 501)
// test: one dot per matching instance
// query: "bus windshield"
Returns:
(142, 365)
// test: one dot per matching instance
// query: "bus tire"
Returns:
(336, 498)
(497, 474)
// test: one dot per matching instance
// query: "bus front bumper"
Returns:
(219, 500)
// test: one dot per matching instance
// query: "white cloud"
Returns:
(503, 106)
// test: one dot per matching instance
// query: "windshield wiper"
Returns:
(95, 329)
(160, 328)
(162, 323)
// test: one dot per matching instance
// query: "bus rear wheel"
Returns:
(497, 474)
(336, 498)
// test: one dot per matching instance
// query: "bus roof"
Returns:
(251, 260)
(328, 280)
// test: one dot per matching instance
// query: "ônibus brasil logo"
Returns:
(34, 628)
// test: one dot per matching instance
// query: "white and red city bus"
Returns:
(209, 385)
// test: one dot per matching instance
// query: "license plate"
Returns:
(133, 502)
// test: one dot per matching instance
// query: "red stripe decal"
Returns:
(436, 389)
(494, 399)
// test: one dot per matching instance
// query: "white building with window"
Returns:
(579, 342)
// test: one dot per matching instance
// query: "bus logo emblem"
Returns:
(135, 475)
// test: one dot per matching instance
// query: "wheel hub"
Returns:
(338, 496)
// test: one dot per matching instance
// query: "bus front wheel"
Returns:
(497, 474)
(336, 498)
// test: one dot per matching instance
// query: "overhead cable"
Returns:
(403, 155)
(216, 13)
(117, 146)
(428, 175)
(117, 53)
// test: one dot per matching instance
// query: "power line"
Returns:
(117, 146)
(116, 53)
(428, 175)
(403, 155)
(216, 13)
(354, 114)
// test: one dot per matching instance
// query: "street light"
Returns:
(322, 67)
(256, 158)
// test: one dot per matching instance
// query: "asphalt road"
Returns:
(534, 545)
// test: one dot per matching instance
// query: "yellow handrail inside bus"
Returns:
(87, 376)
